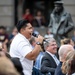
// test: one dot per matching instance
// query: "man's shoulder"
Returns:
(47, 56)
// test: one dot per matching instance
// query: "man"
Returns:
(21, 47)
(49, 61)
(3, 38)
(63, 50)
(60, 22)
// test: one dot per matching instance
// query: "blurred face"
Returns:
(15, 31)
(39, 13)
(48, 32)
(2, 31)
(58, 7)
(27, 31)
(52, 48)
(27, 11)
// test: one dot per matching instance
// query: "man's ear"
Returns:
(22, 29)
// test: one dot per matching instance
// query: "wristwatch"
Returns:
(38, 43)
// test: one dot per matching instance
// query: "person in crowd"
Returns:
(37, 64)
(39, 19)
(37, 61)
(7, 67)
(63, 50)
(2, 53)
(60, 22)
(3, 38)
(68, 67)
(49, 61)
(15, 61)
(33, 41)
(28, 16)
(48, 34)
(21, 47)
(67, 41)
(13, 34)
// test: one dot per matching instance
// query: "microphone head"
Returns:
(35, 35)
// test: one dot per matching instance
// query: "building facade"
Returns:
(8, 13)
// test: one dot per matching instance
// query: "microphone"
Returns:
(44, 41)
(36, 35)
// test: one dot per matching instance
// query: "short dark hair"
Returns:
(21, 23)
(2, 27)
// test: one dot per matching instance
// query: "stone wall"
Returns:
(6, 12)
(70, 7)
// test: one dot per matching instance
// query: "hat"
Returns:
(58, 2)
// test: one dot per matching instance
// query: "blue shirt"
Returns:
(38, 60)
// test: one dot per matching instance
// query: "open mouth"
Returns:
(30, 33)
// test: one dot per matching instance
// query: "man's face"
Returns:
(52, 48)
(58, 7)
(28, 31)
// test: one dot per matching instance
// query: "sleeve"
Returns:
(24, 48)
(45, 67)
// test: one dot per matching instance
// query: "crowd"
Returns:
(45, 62)
(22, 53)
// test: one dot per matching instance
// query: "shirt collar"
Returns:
(50, 53)
(23, 36)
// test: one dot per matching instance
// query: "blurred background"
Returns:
(13, 10)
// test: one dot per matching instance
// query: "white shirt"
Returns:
(19, 48)
(71, 74)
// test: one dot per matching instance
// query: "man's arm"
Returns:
(34, 53)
